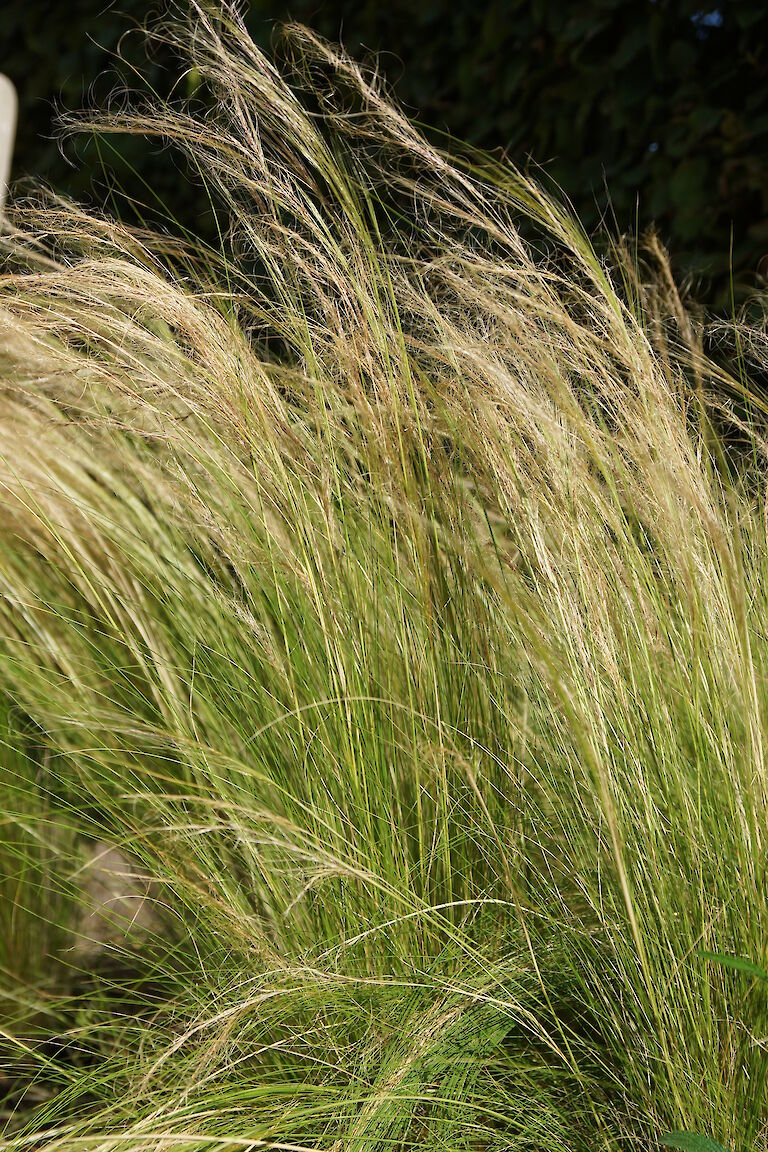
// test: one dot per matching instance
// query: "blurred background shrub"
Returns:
(639, 110)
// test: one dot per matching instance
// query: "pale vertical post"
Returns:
(8, 109)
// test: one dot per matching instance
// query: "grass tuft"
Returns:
(383, 606)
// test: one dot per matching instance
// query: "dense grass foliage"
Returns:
(383, 660)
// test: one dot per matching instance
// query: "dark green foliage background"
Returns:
(663, 102)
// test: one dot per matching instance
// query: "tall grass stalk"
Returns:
(384, 589)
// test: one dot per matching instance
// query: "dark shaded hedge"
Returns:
(663, 102)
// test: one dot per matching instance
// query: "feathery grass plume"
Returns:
(380, 591)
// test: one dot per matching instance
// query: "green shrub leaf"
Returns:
(691, 1142)
(737, 963)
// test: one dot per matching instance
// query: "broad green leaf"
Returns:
(737, 963)
(691, 1142)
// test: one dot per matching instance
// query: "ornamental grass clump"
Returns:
(383, 660)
